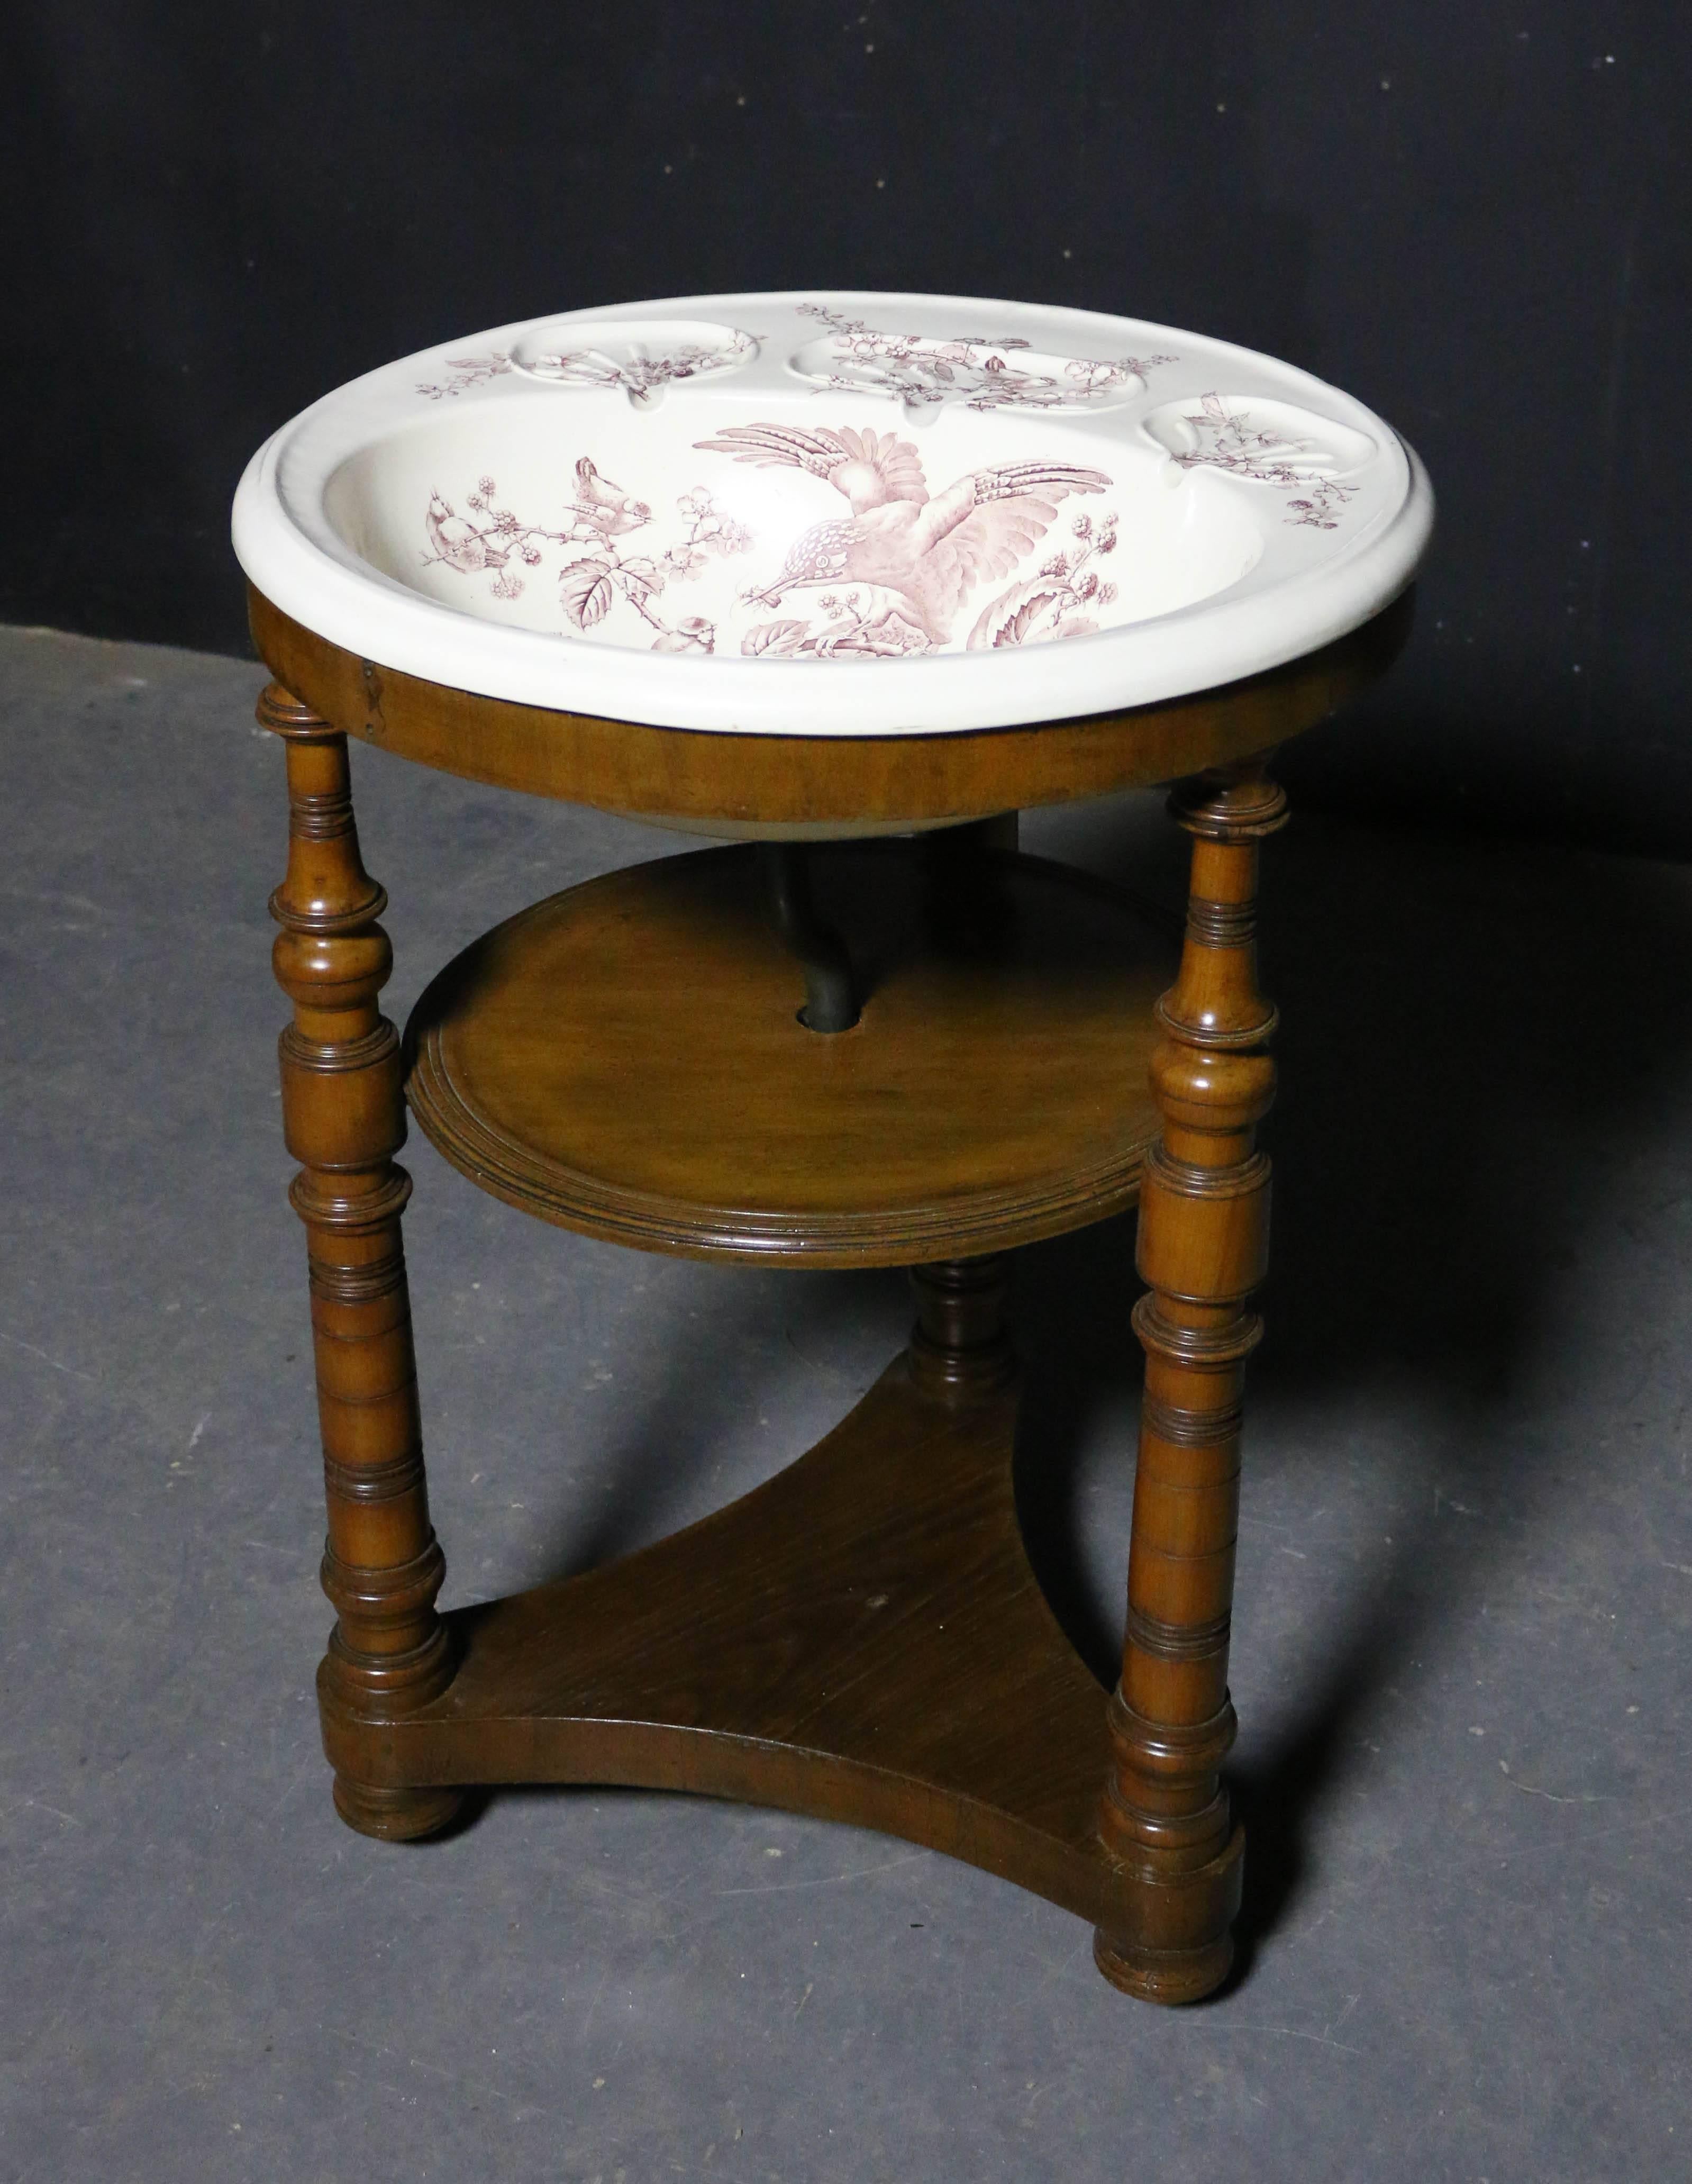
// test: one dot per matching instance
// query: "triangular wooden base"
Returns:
(861, 1638)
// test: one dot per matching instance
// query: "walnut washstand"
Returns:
(861, 1638)
(781, 569)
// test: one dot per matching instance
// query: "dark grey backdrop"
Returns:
(1476, 216)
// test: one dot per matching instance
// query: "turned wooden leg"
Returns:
(960, 1349)
(1203, 1238)
(343, 1118)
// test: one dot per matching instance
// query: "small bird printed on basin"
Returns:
(458, 543)
(931, 553)
(606, 507)
(599, 506)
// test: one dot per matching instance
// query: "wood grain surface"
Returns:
(627, 1058)
(1203, 1247)
(861, 1638)
(829, 784)
(343, 1119)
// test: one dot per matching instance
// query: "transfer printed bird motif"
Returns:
(599, 508)
(458, 543)
(930, 552)
(606, 507)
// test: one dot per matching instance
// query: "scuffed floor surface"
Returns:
(1465, 1602)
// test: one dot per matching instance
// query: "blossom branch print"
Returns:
(638, 374)
(466, 371)
(974, 368)
(863, 627)
(1064, 600)
(1229, 441)
(493, 539)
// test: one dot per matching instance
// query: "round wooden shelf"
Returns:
(625, 1059)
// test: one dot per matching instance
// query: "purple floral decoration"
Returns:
(972, 368)
(493, 539)
(1064, 600)
(464, 372)
(1228, 442)
(638, 375)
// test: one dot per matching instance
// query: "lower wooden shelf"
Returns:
(861, 1638)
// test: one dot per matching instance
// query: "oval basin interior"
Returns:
(804, 527)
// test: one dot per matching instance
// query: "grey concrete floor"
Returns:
(1465, 1587)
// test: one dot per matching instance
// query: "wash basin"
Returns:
(833, 513)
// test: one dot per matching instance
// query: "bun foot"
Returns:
(1165, 1975)
(396, 1815)
(1170, 1942)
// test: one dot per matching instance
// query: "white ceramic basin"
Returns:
(833, 513)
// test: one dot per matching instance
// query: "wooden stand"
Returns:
(861, 1638)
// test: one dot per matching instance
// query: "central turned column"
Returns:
(1204, 1228)
(960, 1349)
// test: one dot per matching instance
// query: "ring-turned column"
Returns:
(960, 1349)
(344, 1118)
(1204, 1225)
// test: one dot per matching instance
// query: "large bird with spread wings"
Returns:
(932, 553)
